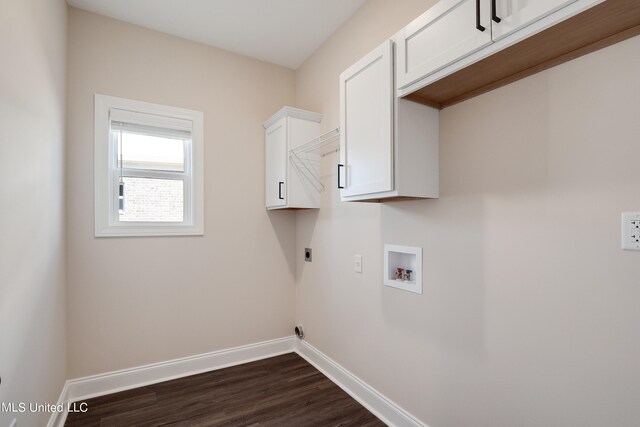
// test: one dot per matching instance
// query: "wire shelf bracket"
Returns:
(305, 159)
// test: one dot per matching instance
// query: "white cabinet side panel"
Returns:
(303, 170)
(417, 140)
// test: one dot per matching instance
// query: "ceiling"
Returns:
(284, 32)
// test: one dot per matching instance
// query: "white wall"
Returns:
(529, 315)
(32, 282)
(134, 301)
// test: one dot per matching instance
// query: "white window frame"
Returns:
(106, 175)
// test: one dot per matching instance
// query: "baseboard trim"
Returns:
(126, 379)
(58, 418)
(113, 382)
(379, 405)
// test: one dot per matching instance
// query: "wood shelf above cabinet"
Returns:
(600, 26)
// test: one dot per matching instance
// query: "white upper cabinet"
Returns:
(388, 146)
(287, 183)
(276, 164)
(451, 29)
(456, 34)
(366, 139)
(508, 16)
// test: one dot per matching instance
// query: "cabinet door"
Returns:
(276, 164)
(515, 14)
(448, 31)
(366, 117)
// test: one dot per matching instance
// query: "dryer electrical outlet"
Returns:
(631, 231)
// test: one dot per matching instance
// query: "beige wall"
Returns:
(529, 315)
(133, 301)
(32, 284)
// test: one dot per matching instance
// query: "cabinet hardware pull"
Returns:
(478, 26)
(494, 15)
(340, 186)
(280, 184)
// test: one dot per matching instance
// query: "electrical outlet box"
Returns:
(357, 264)
(307, 254)
(631, 231)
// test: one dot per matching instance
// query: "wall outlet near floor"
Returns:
(631, 231)
(357, 263)
(307, 254)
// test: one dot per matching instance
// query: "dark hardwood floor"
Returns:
(280, 391)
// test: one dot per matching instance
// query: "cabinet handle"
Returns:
(280, 184)
(478, 26)
(340, 186)
(494, 15)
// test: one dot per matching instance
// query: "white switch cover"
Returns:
(631, 231)
(357, 263)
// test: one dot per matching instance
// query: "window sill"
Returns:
(148, 231)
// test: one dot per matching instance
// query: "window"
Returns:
(148, 169)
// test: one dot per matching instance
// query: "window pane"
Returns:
(140, 151)
(149, 199)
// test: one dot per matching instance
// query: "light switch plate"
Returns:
(357, 264)
(631, 231)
